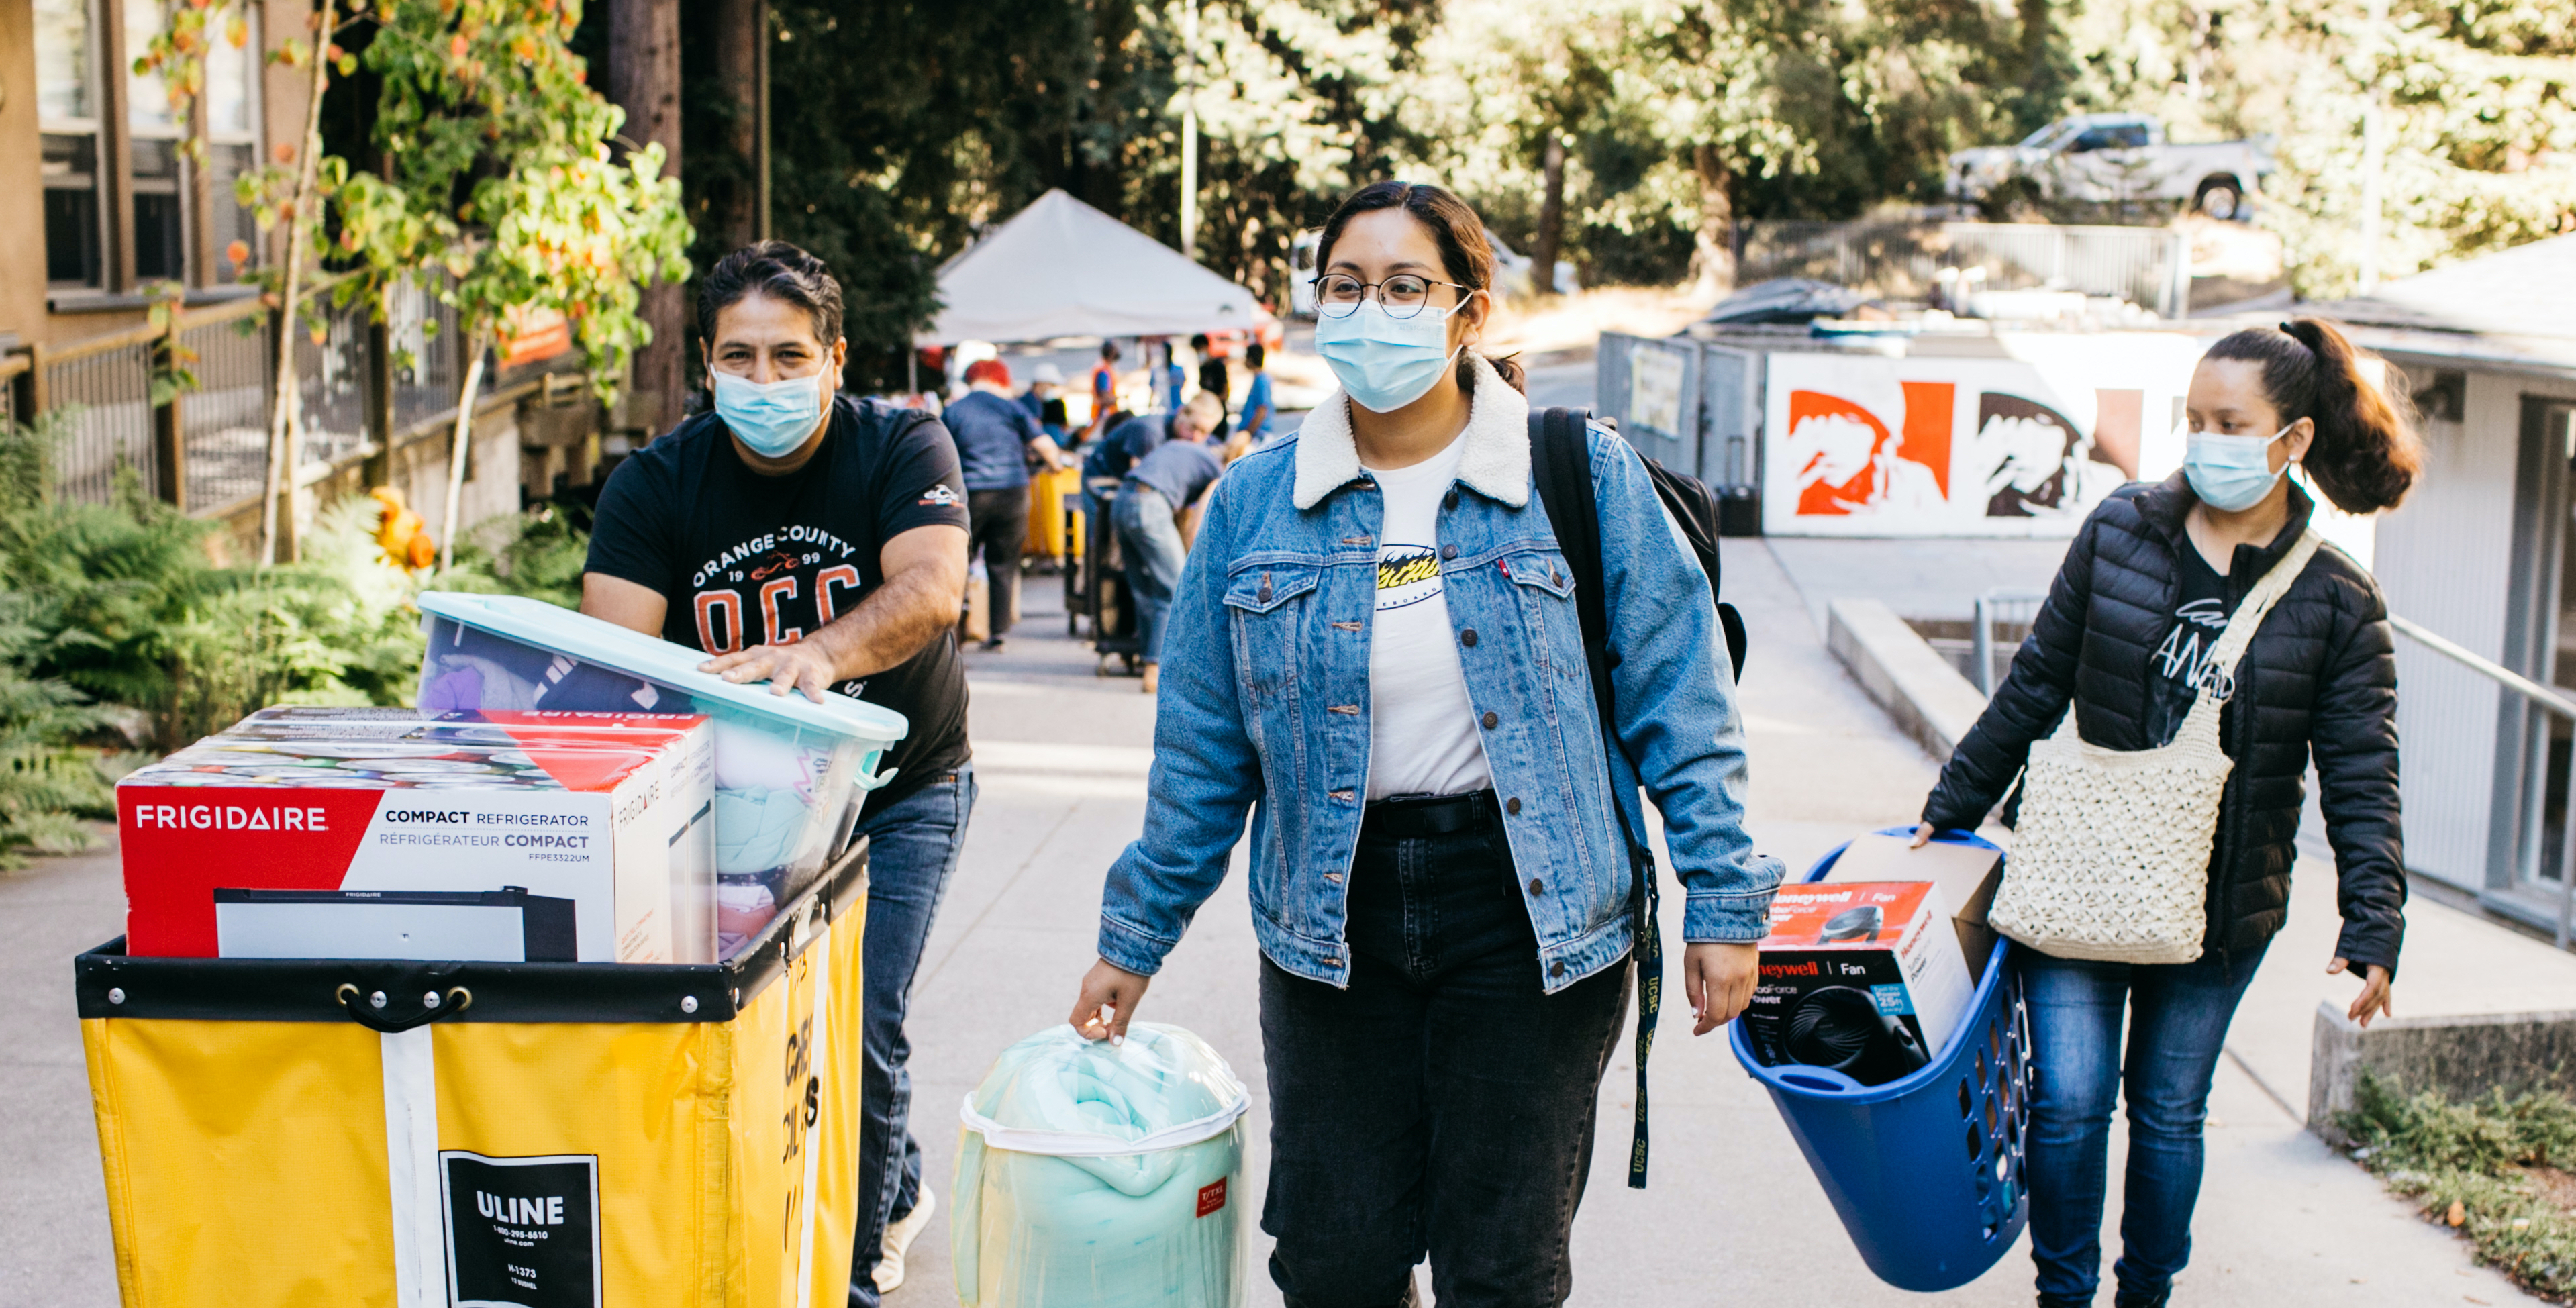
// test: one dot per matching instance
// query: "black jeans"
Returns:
(997, 521)
(1441, 1103)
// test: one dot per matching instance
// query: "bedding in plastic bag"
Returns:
(785, 798)
(1093, 1175)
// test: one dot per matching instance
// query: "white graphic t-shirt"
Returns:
(1422, 727)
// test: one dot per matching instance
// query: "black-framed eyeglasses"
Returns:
(1339, 295)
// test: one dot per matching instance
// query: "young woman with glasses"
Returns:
(2123, 643)
(1374, 650)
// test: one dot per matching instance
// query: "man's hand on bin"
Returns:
(1107, 1002)
(1719, 979)
(800, 665)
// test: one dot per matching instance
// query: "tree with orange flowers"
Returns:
(501, 178)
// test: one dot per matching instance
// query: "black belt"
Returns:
(1409, 816)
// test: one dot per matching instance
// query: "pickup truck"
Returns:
(2106, 158)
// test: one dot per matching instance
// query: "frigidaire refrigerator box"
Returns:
(1861, 978)
(378, 841)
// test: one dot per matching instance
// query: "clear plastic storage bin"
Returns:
(790, 772)
(1093, 1175)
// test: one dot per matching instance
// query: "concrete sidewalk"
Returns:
(1733, 1212)
(1733, 1215)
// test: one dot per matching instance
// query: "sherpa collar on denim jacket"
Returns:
(1496, 461)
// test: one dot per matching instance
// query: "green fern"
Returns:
(120, 638)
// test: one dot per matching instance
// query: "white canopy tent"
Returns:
(1063, 268)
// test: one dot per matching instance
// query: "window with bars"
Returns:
(70, 118)
(232, 135)
(121, 219)
(158, 212)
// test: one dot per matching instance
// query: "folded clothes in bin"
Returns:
(498, 730)
(1093, 1175)
(789, 772)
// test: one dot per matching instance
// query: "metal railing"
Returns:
(1903, 258)
(223, 423)
(206, 448)
(421, 330)
(109, 381)
(331, 376)
(2537, 700)
(12, 367)
(1996, 608)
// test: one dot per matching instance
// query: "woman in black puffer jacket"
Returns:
(2144, 592)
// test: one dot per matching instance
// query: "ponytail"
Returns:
(2365, 453)
(1505, 367)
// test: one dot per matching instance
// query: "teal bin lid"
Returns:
(535, 623)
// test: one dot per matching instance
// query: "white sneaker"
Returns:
(899, 1237)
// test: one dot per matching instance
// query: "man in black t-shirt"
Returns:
(818, 543)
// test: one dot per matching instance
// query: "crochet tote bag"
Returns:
(2111, 861)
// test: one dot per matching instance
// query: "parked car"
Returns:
(1512, 272)
(2105, 158)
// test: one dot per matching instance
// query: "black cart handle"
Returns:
(367, 1009)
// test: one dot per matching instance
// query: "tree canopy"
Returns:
(1670, 119)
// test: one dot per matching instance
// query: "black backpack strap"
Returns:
(1561, 457)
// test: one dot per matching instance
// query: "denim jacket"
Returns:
(1264, 704)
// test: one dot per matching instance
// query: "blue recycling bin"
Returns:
(1925, 1171)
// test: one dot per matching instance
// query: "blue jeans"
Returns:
(1151, 544)
(1442, 1103)
(2178, 1017)
(912, 850)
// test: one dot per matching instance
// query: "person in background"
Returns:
(1173, 377)
(1104, 390)
(1155, 493)
(1112, 455)
(1044, 399)
(929, 362)
(1258, 409)
(692, 545)
(2124, 643)
(1105, 461)
(1214, 377)
(996, 440)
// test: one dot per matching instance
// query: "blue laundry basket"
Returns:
(1925, 1171)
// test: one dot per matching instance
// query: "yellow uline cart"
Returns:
(422, 1135)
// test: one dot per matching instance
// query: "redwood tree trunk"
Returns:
(644, 80)
(735, 215)
(1551, 216)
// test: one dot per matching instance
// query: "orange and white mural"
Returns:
(1866, 445)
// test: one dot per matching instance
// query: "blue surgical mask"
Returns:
(2231, 473)
(1385, 362)
(773, 418)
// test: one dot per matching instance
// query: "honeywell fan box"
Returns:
(621, 833)
(1862, 978)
